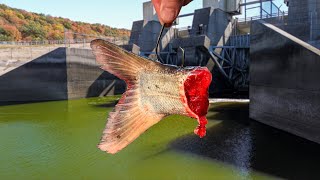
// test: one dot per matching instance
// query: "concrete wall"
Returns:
(149, 13)
(144, 35)
(39, 79)
(132, 48)
(13, 57)
(221, 4)
(230, 6)
(196, 50)
(216, 24)
(86, 79)
(59, 74)
(284, 81)
(304, 20)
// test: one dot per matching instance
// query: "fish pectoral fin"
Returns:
(127, 121)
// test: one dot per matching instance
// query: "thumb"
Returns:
(167, 10)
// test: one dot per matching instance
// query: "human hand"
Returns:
(168, 10)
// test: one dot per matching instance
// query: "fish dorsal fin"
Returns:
(118, 61)
(129, 118)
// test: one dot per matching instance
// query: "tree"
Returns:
(67, 24)
(16, 24)
(50, 19)
(9, 33)
(58, 27)
(55, 35)
(4, 35)
(34, 30)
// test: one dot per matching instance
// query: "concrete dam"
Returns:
(53, 74)
(272, 58)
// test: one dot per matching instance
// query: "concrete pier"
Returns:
(39, 79)
(284, 83)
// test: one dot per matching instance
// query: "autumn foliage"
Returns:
(20, 25)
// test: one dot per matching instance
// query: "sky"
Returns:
(117, 13)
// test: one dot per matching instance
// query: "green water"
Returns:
(57, 140)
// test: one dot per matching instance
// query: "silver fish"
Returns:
(153, 91)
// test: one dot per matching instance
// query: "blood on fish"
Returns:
(196, 91)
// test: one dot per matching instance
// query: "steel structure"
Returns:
(260, 9)
(233, 60)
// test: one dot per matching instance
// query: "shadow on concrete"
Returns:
(106, 84)
(249, 145)
(41, 79)
(60, 74)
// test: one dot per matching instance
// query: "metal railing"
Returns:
(58, 42)
(265, 16)
(86, 38)
(30, 43)
(260, 9)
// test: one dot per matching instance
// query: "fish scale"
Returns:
(164, 93)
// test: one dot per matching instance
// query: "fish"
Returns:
(154, 91)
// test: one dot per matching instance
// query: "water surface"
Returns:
(57, 140)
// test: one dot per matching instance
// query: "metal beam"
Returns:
(253, 2)
(219, 66)
(253, 7)
(185, 15)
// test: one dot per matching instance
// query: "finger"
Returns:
(186, 2)
(169, 10)
(156, 4)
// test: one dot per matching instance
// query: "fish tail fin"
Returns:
(129, 118)
(117, 61)
(126, 123)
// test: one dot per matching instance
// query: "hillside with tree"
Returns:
(21, 25)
